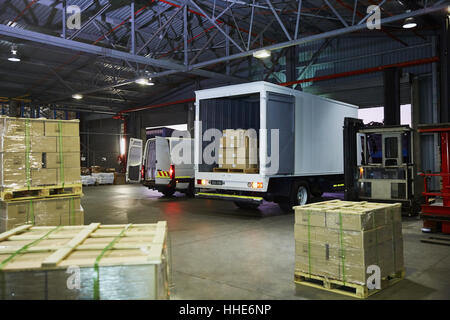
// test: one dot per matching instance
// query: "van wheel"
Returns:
(246, 205)
(300, 195)
(190, 192)
(168, 192)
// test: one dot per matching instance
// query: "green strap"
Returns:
(341, 235)
(309, 243)
(31, 212)
(27, 152)
(99, 257)
(61, 163)
(26, 247)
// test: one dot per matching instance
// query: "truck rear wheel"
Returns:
(300, 195)
(168, 192)
(246, 205)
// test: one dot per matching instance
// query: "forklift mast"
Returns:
(351, 129)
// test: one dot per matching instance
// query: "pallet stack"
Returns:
(337, 243)
(238, 151)
(112, 262)
(39, 172)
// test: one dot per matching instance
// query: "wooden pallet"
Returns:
(234, 170)
(349, 289)
(40, 192)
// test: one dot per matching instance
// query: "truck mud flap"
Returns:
(229, 197)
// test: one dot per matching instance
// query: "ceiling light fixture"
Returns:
(77, 96)
(14, 57)
(145, 81)
(262, 54)
(409, 23)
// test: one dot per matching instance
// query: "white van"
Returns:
(157, 167)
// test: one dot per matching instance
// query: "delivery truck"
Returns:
(161, 165)
(296, 138)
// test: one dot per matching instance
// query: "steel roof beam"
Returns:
(106, 52)
(328, 34)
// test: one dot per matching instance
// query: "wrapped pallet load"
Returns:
(39, 172)
(41, 212)
(341, 244)
(238, 150)
(112, 262)
(38, 152)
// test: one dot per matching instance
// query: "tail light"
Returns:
(172, 171)
(143, 173)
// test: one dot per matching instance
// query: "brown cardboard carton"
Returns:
(43, 144)
(350, 239)
(397, 226)
(41, 212)
(69, 128)
(316, 266)
(70, 160)
(384, 233)
(398, 255)
(355, 218)
(310, 216)
(17, 127)
(119, 178)
(68, 176)
(69, 144)
(14, 210)
(43, 177)
(12, 144)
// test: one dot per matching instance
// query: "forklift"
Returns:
(436, 209)
(378, 164)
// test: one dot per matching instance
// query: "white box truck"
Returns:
(160, 165)
(300, 140)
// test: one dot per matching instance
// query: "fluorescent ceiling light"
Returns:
(144, 82)
(14, 57)
(409, 23)
(77, 96)
(262, 54)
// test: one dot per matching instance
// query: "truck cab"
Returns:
(164, 164)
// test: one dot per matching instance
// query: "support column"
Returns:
(391, 80)
(291, 65)
(444, 70)
(415, 121)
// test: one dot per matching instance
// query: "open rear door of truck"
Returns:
(162, 160)
(134, 161)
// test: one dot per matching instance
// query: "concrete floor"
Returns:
(221, 252)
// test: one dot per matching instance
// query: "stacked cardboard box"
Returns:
(238, 150)
(39, 154)
(41, 212)
(340, 239)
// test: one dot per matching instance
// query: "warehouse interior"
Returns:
(126, 68)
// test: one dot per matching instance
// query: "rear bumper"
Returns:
(229, 197)
(167, 183)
